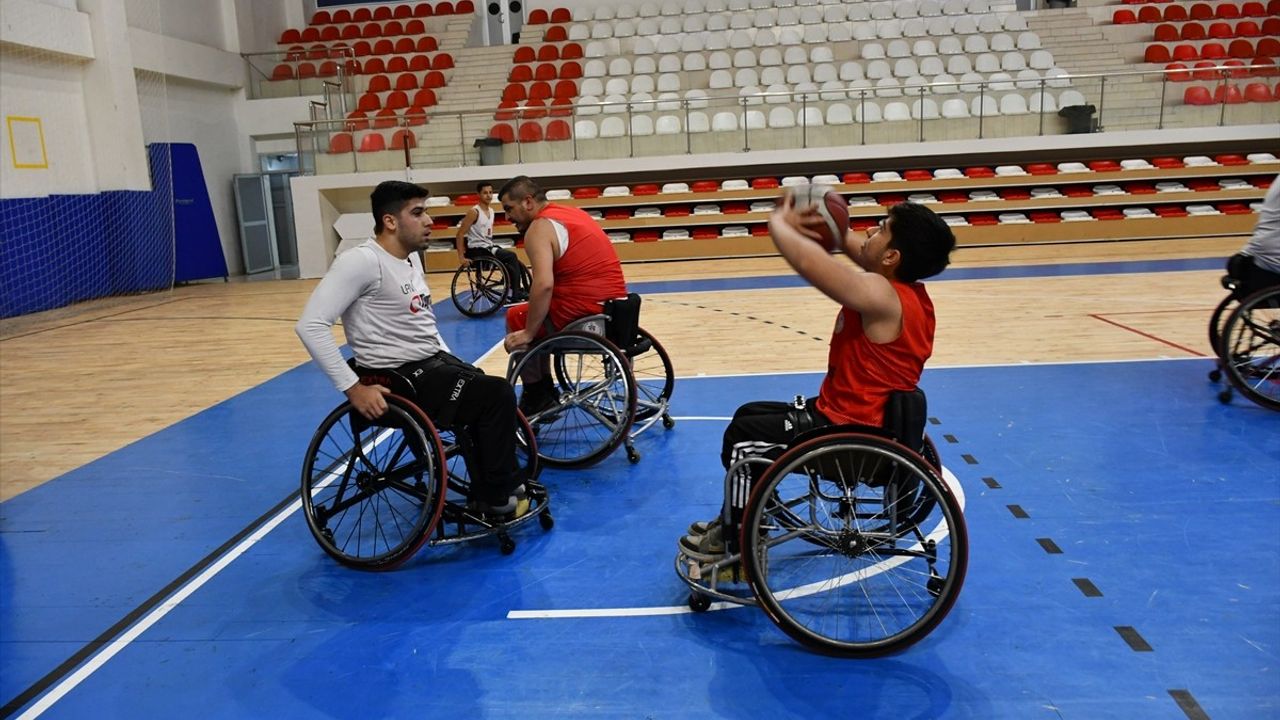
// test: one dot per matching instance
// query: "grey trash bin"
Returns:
(490, 150)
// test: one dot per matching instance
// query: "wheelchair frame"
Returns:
(607, 392)
(412, 479)
(1248, 349)
(488, 287)
(894, 537)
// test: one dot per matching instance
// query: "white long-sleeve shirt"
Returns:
(385, 308)
(1264, 246)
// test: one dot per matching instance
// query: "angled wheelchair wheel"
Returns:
(1217, 320)
(1250, 349)
(373, 490)
(594, 401)
(481, 289)
(854, 546)
(655, 378)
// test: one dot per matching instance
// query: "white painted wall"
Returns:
(45, 86)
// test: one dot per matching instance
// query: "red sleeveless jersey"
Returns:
(588, 273)
(861, 374)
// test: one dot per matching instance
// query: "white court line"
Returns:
(952, 482)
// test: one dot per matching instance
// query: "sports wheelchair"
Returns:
(375, 491)
(613, 380)
(480, 289)
(1248, 346)
(850, 541)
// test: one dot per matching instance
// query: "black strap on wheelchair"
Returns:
(624, 321)
(801, 417)
(408, 381)
(905, 413)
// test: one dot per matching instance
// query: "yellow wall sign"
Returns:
(26, 142)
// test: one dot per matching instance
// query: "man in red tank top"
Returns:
(575, 269)
(883, 336)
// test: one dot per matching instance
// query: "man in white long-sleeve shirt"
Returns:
(378, 290)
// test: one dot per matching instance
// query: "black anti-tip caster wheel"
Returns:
(699, 603)
(506, 544)
(1225, 396)
(668, 422)
(1215, 375)
(545, 520)
(633, 456)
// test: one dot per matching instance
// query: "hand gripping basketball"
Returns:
(832, 210)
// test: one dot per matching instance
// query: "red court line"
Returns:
(1149, 336)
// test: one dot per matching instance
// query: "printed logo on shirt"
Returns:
(418, 302)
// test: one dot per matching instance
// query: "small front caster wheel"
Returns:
(668, 422)
(633, 456)
(545, 520)
(699, 603)
(506, 544)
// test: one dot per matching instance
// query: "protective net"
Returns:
(71, 243)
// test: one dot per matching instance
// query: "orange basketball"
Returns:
(832, 208)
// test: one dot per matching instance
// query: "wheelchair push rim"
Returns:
(853, 545)
(372, 491)
(481, 289)
(1250, 351)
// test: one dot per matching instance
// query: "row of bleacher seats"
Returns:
(1239, 49)
(363, 48)
(398, 99)
(716, 37)
(392, 12)
(803, 9)
(1169, 32)
(1216, 70)
(365, 31)
(400, 65)
(1179, 12)
(1231, 94)
(371, 141)
(385, 118)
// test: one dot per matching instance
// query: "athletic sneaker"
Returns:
(702, 526)
(537, 397)
(516, 506)
(708, 547)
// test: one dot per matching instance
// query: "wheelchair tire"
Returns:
(372, 491)
(481, 289)
(596, 397)
(864, 575)
(655, 378)
(1216, 321)
(1250, 349)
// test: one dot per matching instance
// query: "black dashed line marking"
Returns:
(950, 438)
(970, 459)
(1188, 704)
(1135, 641)
(934, 421)
(1087, 587)
(1049, 546)
(991, 483)
(1018, 512)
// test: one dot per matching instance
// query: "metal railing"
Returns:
(329, 67)
(703, 123)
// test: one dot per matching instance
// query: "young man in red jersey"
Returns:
(575, 269)
(883, 336)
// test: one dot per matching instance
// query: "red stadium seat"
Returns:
(310, 34)
(533, 110)
(290, 35)
(548, 53)
(540, 90)
(917, 175)
(1213, 51)
(396, 100)
(402, 139)
(420, 63)
(407, 81)
(507, 110)
(1252, 9)
(677, 211)
(1241, 48)
(1148, 14)
(1229, 94)
(1248, 28)
(373, 142)
(979, 172)
(645, 189)
(1167, 162)
(538, 16)
(1156, 54)
(586, 193)
(983, 219)
(1219, 31)
(704, 233)
(1166, 33)
(1167, 211)
(566, 89)
(1226, 11)
(374, 65)
(1177, 72)
(415, 116)
(1273, 7)
(1045, 216)
(295, 53)
(1201, 11)
(433, 79)
(404, 46)
(557, 131)
(514, 92)
(503, 132)
(318, 52)
(1204, 71)
(464, 7)
(321, 17)
(379, 83)
(1139, 188)
(426, 97)
(282, 72)
(441, 61)
(764, 183)
(401, 12)
(371, 30)
(306, 70)
(855, 178)
(1123, 16)
(1104, 166)
(427, 44)
(328, 68)
(545, 71)
(385, 118)
(561, 15)
(523, 54)
(1041, 169)
(556, 33)
(1185, 52)
(1269, 46)
(1175, 12)
(704, 186)
(560, 107)
(1258, 92)
(1191, 31)
(1234, 209)
(1077, 191)
(520, 73)
(1014, 193)
(1196, 95)
(350, 32)
(571, 51)
(571, 70)
(329, 33)
(356, 120)
(530, 132)
(444, 8)
(1230, 159)
(1239, 66)
(341, 16)
(414, 27)
(382, 12)
(422, 10)
(392, 28)
(361, 48)
(340, 143)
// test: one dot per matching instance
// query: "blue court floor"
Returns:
(1123, 564)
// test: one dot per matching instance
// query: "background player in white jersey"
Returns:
(475, 237)
(378, 290)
